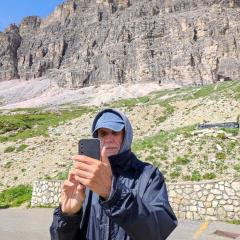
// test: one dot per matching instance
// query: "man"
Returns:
(118, 197)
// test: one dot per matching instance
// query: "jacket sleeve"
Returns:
(149, 216)
(65, 227)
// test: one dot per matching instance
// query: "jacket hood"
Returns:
(128, 136)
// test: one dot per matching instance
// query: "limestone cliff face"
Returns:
(86, 42)
(9, 43)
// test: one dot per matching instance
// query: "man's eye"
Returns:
(102, 134)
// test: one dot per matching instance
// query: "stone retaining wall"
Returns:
(209, 200)
(46, 193)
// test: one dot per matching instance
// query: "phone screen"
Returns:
(89, 147)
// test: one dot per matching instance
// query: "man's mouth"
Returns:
(110, 148)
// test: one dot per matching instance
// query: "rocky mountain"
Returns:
(88, 42)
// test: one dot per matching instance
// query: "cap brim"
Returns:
(110, 125)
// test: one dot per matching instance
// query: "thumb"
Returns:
(104, 157)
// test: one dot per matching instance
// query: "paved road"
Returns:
(33, 224)
(25, 224)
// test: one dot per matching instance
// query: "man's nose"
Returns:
(109, 138)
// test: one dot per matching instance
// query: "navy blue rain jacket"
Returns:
(137, 207)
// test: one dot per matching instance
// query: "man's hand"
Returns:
(94, 174)
(72, 196)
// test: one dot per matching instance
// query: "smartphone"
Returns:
(89, 147)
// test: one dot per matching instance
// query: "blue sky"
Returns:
(13, 11)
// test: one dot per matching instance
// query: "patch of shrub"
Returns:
(222, 136)
(237, 167)
(163, 157)
(176, 173)
(186, 177)
(31, 124)
(9, 149)
(182, 160)
(231, 146)
(220, 156)
(16, 196)
(234, 222)
(8, 165)
(209, 176)
(22, 147)
(196, 176)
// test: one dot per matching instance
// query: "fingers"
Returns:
(89, 172)
(104, 157)
(103, 154)
(84, 159)
(71, 177)
(68, 184)
(83, 166)
(83, 174)
(77, 176)
(71, 181)
(87, 164)
(81, 187)
(86, 182)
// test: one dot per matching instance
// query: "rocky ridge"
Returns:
(86, 43)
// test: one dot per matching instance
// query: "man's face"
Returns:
(111, 140)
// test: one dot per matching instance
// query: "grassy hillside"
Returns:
(39, 143)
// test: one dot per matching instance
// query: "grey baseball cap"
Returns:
(109, 120)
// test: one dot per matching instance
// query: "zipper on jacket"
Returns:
(107, 229)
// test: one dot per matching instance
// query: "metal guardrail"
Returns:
(218, 125)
